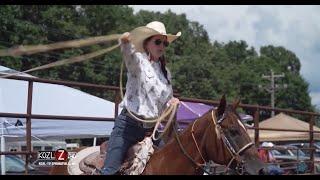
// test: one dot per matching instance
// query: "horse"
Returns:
(218, 136)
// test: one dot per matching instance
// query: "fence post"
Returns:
(311, 124)
(256, 126)
(28, 123)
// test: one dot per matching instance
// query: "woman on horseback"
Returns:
(148, 90)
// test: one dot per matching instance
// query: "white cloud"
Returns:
(316, 99)
(297, 28)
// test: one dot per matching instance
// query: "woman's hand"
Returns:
(174, 101)
(125, 37)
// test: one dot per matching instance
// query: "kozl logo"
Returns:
(61, 155)
(58, 155)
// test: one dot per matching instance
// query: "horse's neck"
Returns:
(200, 137)
(171, 159)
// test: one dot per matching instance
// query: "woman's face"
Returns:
(156, 46)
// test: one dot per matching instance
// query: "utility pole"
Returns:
(272, 88)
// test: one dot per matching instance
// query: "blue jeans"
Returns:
(126, 132)
(274, 170)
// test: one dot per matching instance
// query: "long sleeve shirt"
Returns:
(147, 90)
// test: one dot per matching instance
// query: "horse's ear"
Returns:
(222, 105)
(236, 104)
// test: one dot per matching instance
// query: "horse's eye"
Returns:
(233, 131)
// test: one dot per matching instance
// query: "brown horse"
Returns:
(218, 135)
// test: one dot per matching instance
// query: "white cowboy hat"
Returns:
(267, 144)
(139, 34)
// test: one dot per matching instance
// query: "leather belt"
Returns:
(139, 123)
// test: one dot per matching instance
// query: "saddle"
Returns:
(135, 160)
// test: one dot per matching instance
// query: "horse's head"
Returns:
(237, 150)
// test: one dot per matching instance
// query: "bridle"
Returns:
(239, 168)
(235, 154)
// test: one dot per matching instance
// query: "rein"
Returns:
(187, 155)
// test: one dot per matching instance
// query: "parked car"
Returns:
(288, 154)
(307, 152)
(307, 145)
(16, 166)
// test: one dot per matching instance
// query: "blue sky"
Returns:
(297, 28)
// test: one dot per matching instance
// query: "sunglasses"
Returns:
(158, 42)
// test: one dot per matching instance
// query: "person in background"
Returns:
(267, 157)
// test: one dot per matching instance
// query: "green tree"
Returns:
(200, 68)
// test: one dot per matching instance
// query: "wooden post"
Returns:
(256, 125)
(28, 123)
(311, 124)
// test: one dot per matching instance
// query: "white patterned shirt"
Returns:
(147, 90)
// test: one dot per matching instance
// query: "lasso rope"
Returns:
(42, 48)
(28, 50)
